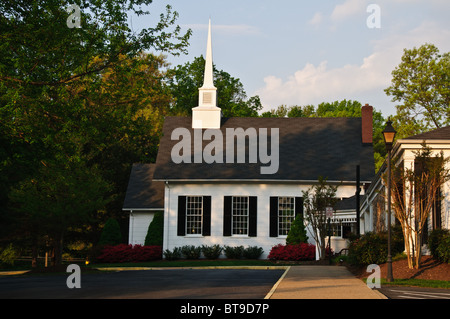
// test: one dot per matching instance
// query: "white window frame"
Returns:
(240, 216)
(282, 217)
(194, 215)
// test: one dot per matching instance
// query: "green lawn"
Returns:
(418, 283)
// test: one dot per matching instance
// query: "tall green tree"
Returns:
(231, 97)
(73, 99)
(421, 85)
(59, 197)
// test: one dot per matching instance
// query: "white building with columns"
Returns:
(373, 205)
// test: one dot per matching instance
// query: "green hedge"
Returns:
(213, 252)
(439, 244)
(371, 248)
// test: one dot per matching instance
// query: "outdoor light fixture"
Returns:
(389, 136)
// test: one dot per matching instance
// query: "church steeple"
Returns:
(208, 82)
(207, 115)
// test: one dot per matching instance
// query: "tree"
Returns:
(58, 198)
(155, 231)
(297, 233)
(421, 84)
(414, 191)
(316, 200)
(111, 234)
(231, 98)
(73, 107)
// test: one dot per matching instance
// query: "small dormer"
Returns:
(207, 115)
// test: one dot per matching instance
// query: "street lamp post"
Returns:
(389, 135)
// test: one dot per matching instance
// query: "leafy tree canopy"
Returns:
(231, 97)
(77, 107)
(421, 85)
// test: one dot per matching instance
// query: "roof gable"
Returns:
(143, 192)
(437, 134)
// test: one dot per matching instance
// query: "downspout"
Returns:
(166, 220)
(131, 235)
(358, 192)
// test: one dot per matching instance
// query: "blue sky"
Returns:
(306, 52)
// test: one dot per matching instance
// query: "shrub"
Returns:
(191, 252)
(212, 252)
(128, 253)
(371, 248)
(145, 253)
(299, 252)
(434, 240)
(297, 233)
(234, 252)
(173, 255)
(443, 250)
(253, 252)
(9, 255)
(111, 234)
(155, 231)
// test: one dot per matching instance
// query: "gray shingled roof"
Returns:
(437, 134)
(309, 148)
(143, 192)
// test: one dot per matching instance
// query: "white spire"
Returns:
(208, 81)
(207, 115)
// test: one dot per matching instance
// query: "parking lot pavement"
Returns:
(147, 284)
(398, 292)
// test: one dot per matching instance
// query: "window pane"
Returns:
(286, 214)
(194, 215)
(240, 216)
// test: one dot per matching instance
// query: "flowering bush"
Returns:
(302, 251)
(128, 253)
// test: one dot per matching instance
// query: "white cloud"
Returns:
(314, 84)
(316, 19)
(347, 9)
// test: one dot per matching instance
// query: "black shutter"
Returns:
(273, 216)
(227, 216)
(299, 206)
(181, 216)
(206, 216)
(253, 216)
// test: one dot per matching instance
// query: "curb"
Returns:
(12, 273)
(276, 284)
(184, 268)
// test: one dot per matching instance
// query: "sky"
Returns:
(298, 52)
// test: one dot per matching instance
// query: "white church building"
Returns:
(239, 181)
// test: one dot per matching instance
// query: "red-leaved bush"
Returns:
(128, 253)
(296, 252)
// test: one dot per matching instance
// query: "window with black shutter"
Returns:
(181, 231)
(227, 207)
(240, 216)
(194, 215)
(253, 216)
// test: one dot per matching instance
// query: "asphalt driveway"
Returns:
(146, 284)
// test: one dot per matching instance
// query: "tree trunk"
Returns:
(34, 255)
(57, 250)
